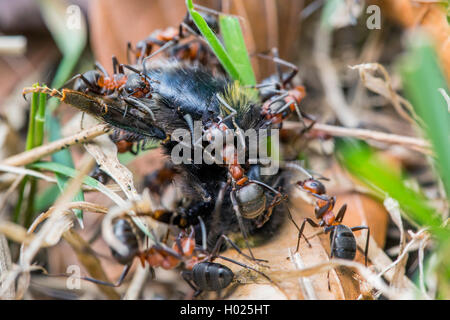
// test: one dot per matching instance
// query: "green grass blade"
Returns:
(235, 45)
(422, 77)
(70, 172)
(46, 198)
(32, 121)
(64, 158)
(71, 41)
(361, 161)
(40, 121)
(214, 43)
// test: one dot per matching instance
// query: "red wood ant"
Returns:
(125, 141)
(194, 50)
(199, 270)
(130, 87)
(343, 243)
(280, 101)
(342, 239)
(247, 195)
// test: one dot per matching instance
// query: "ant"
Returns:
(342, 239)
(279, 101)
(200, 272)
(247, 195)
(158, 180)
(343, 242)
(130, 87)
(125, 141)
(194, 50)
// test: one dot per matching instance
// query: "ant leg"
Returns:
(140, 105)
(82, 119)
(115, 63)
(101, 68)
(300, 232)
(103, 283)
(277, 65)
(297, 110)
(241, 222)
(215, 251)
(187, 276)
(366, 250)
(134, 152)
(333, 243)
(82, 78)
(247, 267)
(341, 213)
(285, 63)
(129, 49)
(163, 47)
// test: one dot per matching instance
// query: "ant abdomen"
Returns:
(344, 246)
(210, 276)
(252, 200)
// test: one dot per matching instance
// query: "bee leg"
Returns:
(232, 115)
(241, 222)
(140, 105)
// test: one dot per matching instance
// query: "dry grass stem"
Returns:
(413, 143)
(5, 266)
(105, 153)
(28, 252)
(393, 207)
(384, 88)
(86, 256)
(35, 154)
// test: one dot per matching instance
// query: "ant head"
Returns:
(312, 185)
(137, 84)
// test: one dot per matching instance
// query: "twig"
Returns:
(35, 154)
(417, 144)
